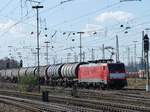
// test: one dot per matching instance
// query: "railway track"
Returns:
(36, 106)
(108, 100)
(125, 92)
(130, 93)
(85, 104)
(98, 93)
(117, 96)
(102, 104)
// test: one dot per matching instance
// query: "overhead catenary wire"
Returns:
(85, 15)
(90, 41)
(29, 17)
(112, 38)
(72, 0)
(135, 25)
(22, 21)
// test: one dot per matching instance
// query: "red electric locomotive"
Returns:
(103, 75)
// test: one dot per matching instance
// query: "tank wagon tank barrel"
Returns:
(53, 71)
(70, 70)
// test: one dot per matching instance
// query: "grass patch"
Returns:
(27, 83)
(136, 82)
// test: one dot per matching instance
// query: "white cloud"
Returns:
(120, 16)
(5, 24)
(10, 26)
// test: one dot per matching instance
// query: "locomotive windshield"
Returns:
(115, 67)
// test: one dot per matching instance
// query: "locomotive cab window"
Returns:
(116, 67)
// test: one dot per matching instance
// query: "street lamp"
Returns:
(38, 68)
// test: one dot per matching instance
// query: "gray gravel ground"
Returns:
(10, 108)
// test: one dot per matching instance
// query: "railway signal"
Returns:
(21, 63)
(146, 43)
(146, 49)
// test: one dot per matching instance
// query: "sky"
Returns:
(60, 20)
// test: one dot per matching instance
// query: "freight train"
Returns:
(97, 74)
